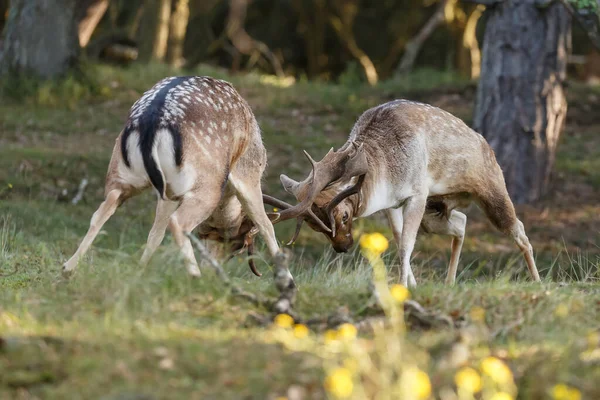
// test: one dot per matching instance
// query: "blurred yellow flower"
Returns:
(284, 321)
(497, 370)
(10, 186)
(468, 379)
(477, 314)
(501, 396)
(275, 209)
(400, 293)
(374, 243)
(339, 383)
(346, 331)
(419, 382)
(561, 311)
(330, 335)
(300, 331)
(564, 392)
(593, 339)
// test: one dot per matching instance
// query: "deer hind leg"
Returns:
(251, 198)
(164, 210)
(250, 195)
(395, 219)
(453, 226)
(194, 210)
(113, 199)
(412, 214)
(498, 207)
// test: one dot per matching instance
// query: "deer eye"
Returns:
(345, 217)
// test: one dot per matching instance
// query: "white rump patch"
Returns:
(134, 175)
(179, 180)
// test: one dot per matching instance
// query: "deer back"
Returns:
(410, 142)
(185, 133)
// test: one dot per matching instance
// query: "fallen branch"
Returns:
(222, 275)
(365, 319)
(413, 47)
(82, 185)
(283, 281)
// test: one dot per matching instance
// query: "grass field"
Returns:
(116, 330)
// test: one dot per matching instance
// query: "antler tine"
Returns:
(299, 222)
(251, 263)
(312, 161)
(340, 197)
(284, 206)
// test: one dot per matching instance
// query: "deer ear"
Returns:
(290, 185)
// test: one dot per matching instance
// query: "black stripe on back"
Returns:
(148, 125)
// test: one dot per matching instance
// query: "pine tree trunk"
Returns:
(521, 104)
(177, 30)
(154, 32)
(40, 38)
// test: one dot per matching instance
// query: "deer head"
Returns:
(325, 191)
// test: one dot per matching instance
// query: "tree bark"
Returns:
(521, 104)
(177, 30)
(40, 38)
(88, 14)
(154, 32)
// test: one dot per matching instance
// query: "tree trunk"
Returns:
(88, 14)
(154, 32)
(177, 30)
(3, 14)
(521, 104)
(40, 37)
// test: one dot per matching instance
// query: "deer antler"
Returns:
(307, 214)
(348, 162)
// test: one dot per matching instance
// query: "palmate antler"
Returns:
(348, 162)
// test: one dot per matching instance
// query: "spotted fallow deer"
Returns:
(196, 141)
(418, 163)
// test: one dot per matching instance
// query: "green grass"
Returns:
(116, 330)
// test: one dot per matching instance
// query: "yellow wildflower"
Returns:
(564, 392)
(300, 331)
(468, 379)
(418, 382)
(497, 370)
(400, 293)
(374, 243)
(284, 321)
(10, 186)
(561, 311)
(501, 396)
(346, 331)
(339, 383)
(477, 314)
(275, 209)
(330, 336)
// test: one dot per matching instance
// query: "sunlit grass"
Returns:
(120, 330)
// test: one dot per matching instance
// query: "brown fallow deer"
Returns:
(418, 163)
(196, 141)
